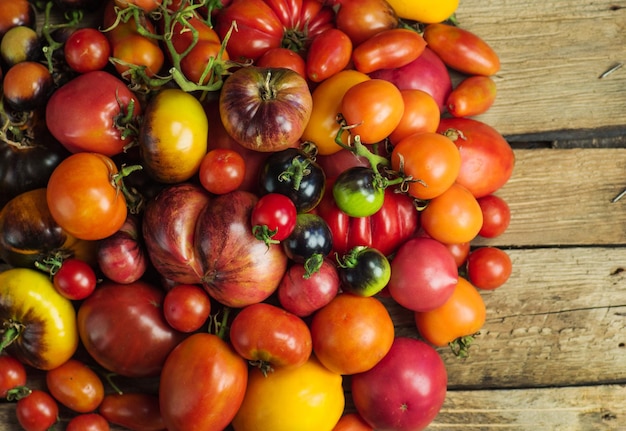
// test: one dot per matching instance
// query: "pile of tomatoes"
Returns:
(223, 196)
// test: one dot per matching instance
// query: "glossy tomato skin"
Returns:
(357, 193)
(133, 410)
(283, 57)
(418, 391)
(421, 115)
(496, 216)
(488, 267)
(425, 11)
(38, 411)
(75, 385)
(364, 271)
(310, 237)
(12, 374)
(87, 49)
(75, 279)
(329, 53)
(307, 398)
(270, 337)
(48, 335)
(219, 375)
(88, 422)
(222, 170)
(82, 113)
(487, 159)
(388, 49)
(361, 20)
(273, 217)
(186, 307)
(352, 422)
(14, 13)
(27, 86)
(472, 96)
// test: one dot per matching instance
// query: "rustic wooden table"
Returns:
(552, 354)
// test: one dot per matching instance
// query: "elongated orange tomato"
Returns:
(388, 49)
(473, 96)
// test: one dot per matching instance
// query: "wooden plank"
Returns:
(552, 54)
(563, 197)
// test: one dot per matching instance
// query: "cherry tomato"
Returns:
(364, 271)
(27, 85)
(140, 51)
(14, 13)
(37, 411)
(460, 252)
(145, 5)
(133, 410)
(452, 217)
(352, 333)
(195, 64)
(75, 279)
(88, 422)
(82, 198)
(12, 374)
(374, 107)
(496, 216)
(431, 160)
(186, 307)
(283, 57)
(488, 267)
(421, 115)
(328, 54)
(311, 238)
(356, 192)
(273, 217)
(20, 43)
(76, 386)
(87, 49)
(360, 20)
(389, 49)
(472, 96)
(222, 170)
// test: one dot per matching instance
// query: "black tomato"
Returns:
(310, 241)
(357, 192)
(364, 271)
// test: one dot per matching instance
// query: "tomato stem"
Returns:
(73, 17)
(17, 393)
(351, 258)
(265, 234)
(460, 346)
(296, 172)
(134, 199)
(12, 331)
(312, 265)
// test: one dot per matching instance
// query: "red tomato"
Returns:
(87, 49)
(135, 411)
(12, 374)
(360, 20)
(76, 386)
(421, 115)
(186, 307)
(222, 171)
(352, 333)
(462, 50)
(431, 160)
(283, 57)
(388, 49)
(219, 377)
(487, 159)
(88, 422)
(37, 411)
(496, 216)
(488, 267)
(352, 422)
(85, 114)
(75, 279)
(452, 217)
(473, 96)
(374, 108)
(459, 251)
(328, 54)
(273, 217)
(270, 337)
(82, 198)
(145, 5)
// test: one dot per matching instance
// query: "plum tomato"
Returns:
(88, 422)
(87, 49)
(75, 279)
(12, 374)
(363, 271)
(186, 307)
(488, 267)
(388, 49)
(328, 54)
(222, 170)
(37, 411)
(472, 96)
(75, 385)
(273, 217)
(133, 410)
(496, 216)
(363, 19)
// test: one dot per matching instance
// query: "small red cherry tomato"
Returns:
(222, 170)
(12, 374)
(186, 307)
(283, 57)
(328, 54)
(388, 49)
(37, 411)
(496, 216)
(273, 217)
(87, 49)
(488, 267)
(75, 279)
(473, 96)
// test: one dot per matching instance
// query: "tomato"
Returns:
(373, 109)
(173, 136)
(39, 324)
(122, 257)
(283, 57)
(307, 398)
(322, 128)
(75, 279)
(219, 378)
(487, 160)
(363, 19)
(364, 271)
(137, 51)
(84, 196)
(133, 410)
(87, 49)
(421, 115)
(329, 53)
(461, 316)
(20, 43)
(352, 333)
(452, 217)
(145, 5)
(14, 13)
(12, 374)
(311, 239)
(462, 50)
(273, 217)
(431, 160)
(357, 192)
(222, 170)
(459, 251)
(205, 53)
(27, 86)
(352, 422)
(388, 49)
(37, 411)
(123, 329)
(75, 385)
(496, 216)
(270, 337)
(488, 267)
(425, 11)
(88, 422)
(472, 96)
(423, 274)
(89, 113)
(186, 307)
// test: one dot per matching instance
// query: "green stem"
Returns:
(17, 393)
(134, 199)
(11, 333)
(222, 326)
(73, 18)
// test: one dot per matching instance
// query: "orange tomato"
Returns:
(76, 386)
(473, 96)
(421, 114)
(138, 50)
(352, 422)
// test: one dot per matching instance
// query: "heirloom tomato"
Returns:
(39, 324)
(351, 333)
(463, 314)
(311, 238)
(425, 11)
(85, 197)
(388, 49)
(488, 267)
(357, 193)
(137, 51)
(37, 411)
(90, 112)
(421, 115)
(122, 257)
(145, 5)
(136, 411)
(216, 377)
(87, 49)
(173, 136)
(186, 307)
(360, 20)
(222, 170)
(75, 385)
(12, 374)
(306, 398)
(273, 217)
(27, 86)
(496, 216)
(75, 279)
(14, 13)
(322, 128)
(472, 96)
(328, 54)
(363, 271)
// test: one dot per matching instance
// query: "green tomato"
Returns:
(364, 271)
(357, 192)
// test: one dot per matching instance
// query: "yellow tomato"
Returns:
(323, 127)
(39, 324)
(426, 11)
(173, 136)
(307, 398)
